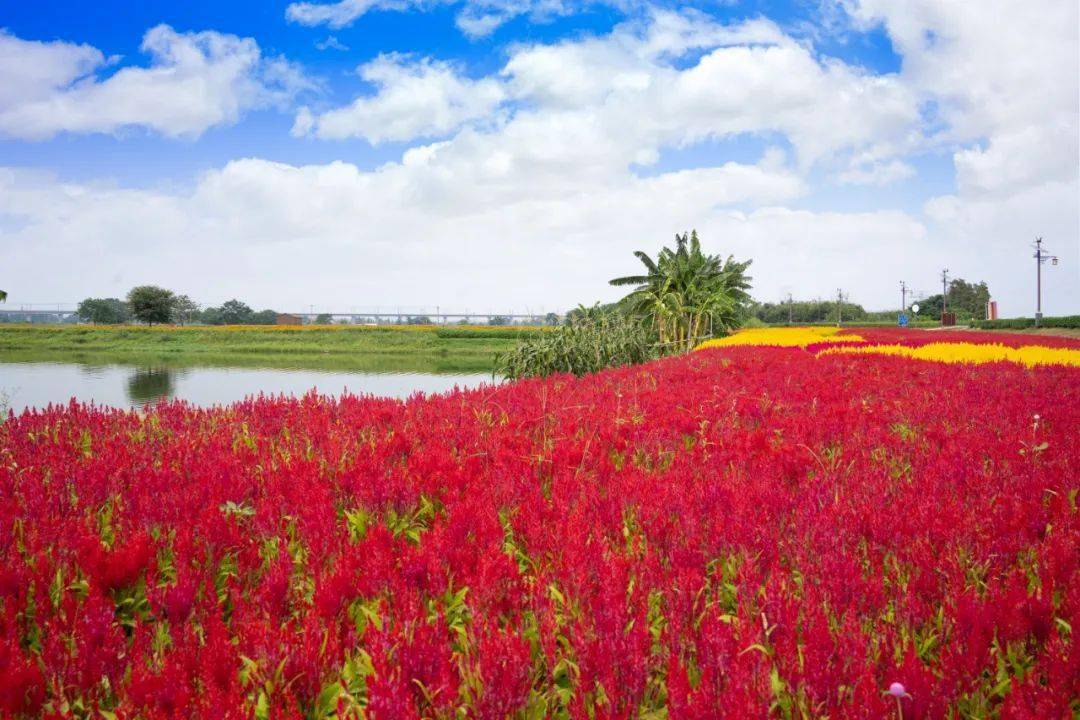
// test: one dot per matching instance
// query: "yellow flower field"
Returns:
(783, 337)
(1029, 355)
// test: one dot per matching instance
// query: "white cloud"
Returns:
(877, 173)
(339, 14)
(195, 81)
(331, 43)
(415, 231)
(989, 237)
(477, 18)
(32, 71)
(627, 95)
(530, 195)
(1003, 77)
(1003, 80)
(414, 98)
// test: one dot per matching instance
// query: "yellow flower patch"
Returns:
(782, 337)
(1029, 355)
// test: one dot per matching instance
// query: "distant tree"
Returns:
(264, 317)
(3, 296)
(967, 300)
(102, 311)
(151, 304)
(551, 319)
(234, 312)
(211, 316)
(418, 320)
(324, 319)
(806, 311)
(498, 320)
(185, 309)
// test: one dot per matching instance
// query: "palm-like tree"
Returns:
(687, 295)
(3, 296)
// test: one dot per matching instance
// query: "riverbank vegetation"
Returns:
(591, 340)
(338, 346)
(684, 296)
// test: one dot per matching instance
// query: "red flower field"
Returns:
(739, 533)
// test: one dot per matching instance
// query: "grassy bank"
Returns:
(416, 348)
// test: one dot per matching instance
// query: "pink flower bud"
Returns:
(897, 690)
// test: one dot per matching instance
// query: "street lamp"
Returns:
(1040, 258)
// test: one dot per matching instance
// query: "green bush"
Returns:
(582, 346)
(1067, 321)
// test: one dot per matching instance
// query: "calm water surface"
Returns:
(37, 384)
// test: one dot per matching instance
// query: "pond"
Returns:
(37, 384)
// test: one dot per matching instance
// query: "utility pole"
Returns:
(903, 297)
(839, 307)
(790, 310)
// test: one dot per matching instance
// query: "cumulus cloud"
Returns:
(414, 98)
(1003, 79)
(194, 81)
(629, 94)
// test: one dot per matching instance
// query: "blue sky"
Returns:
(231, 149)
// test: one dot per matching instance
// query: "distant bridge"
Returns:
(58, 312)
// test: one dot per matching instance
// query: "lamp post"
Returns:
(1040, 258)
(944, 294)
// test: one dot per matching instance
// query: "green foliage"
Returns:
(498, 320)
(234, 312)
(1067, 321)
(686, 295)
(587, 343)
(324, 319)
(809, 311)
(151, 304)
(185, 309)
(103, 311)
(264, 317)
(967, 300)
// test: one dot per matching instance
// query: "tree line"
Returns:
(966, 299)
(152, 305)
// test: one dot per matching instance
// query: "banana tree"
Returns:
(685, 294)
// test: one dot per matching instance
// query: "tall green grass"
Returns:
(585, 345)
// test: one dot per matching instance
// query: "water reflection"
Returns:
(29, 384)
(146, 385)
